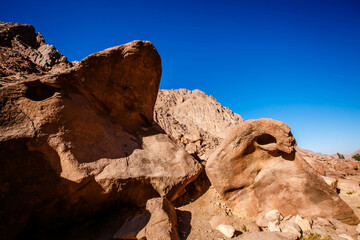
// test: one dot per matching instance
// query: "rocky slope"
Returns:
(195, 120)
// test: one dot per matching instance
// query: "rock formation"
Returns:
(195, 120)
(159, 221)
(77, 140)
(257, 169)
(22, 51)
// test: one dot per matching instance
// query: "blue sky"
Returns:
(297, 61)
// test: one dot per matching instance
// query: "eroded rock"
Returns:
(163, 221)
(256, 169)
(82, 139)
(195, 120)
(23, 51)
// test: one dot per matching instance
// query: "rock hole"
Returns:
(37, 91)
(266, 139)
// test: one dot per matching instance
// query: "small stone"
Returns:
(291, 227)
(274, 216)
(304, 224)
(273, 228)
(358, 228)
(227, 230)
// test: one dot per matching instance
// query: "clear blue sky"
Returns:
(294, 61)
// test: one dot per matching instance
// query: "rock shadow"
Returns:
(194, 190)
(36, 201)
(184, 223)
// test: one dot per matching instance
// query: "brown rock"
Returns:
(158, 222)
(134, 227)
(74, 142)
(163, 221)
(291, 227)
(195, 120)
(263, 235)
(332, 182)
(22, 51)
(256, 169)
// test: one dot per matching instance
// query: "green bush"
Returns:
(341, 156)
(356, 157)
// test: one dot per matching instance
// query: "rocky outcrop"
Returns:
(257, 169)
(330, 166)
(22, 51)
(195, 120)
(76, 141)
(159, 221)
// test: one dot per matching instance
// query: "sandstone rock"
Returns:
(348, 185)
(158, 222)
(331, 181)
(342, 228)
(195, 120)
(273, 228)
(256, 169)
(274, 216)
(289, 236)
(263, 235)
(163, 221)
(291, 227)
(74, 142)
(304, 224)
(358, 228)
(346, 237)
(22, 51)
(227, 230)
(134, 227)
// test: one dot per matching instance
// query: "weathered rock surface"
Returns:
(22, 51)
(330, 166)
(159, 221)
(195, 120)
(256, 169)
(263, 235)
(341, 174)
(163, 221)
(75, 141)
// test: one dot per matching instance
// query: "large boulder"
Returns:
(257, 169)
(74, 142)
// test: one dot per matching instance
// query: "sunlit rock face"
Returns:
(82, 139)
(195, 120)
(257, 169)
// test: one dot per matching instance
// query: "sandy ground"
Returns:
(194, 218)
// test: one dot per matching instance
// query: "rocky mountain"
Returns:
(195, 120)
